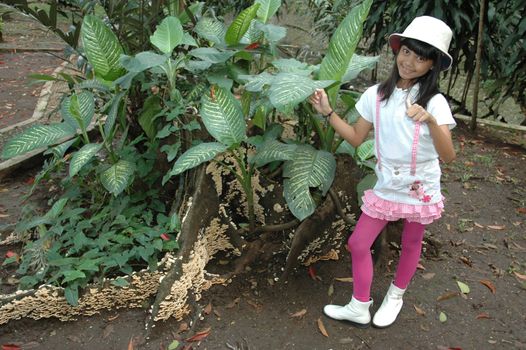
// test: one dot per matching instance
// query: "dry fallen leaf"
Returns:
(419, 311)
(344, 279)
(10, 347)
(322, 329)
(299, 314)
(478, 225)
(233, 303)
(497, 227)
(420, 267)
(490, 285)
(483, 315)
(331, 290)
(428, 275)
(520, 276)
(130, 344)
(208, 309)
(448, 295)
(199, 335)
(183, 327)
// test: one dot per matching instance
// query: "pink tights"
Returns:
(360, 242)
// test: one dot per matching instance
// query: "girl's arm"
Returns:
(354, 134)
(440, 134)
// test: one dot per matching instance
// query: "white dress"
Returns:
(408, 167)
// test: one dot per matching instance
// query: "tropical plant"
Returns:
(134, 111)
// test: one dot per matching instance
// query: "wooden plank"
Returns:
(494, 123)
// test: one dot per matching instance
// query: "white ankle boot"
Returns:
(391, 306)
(356, 312)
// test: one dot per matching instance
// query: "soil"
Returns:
(480, 241)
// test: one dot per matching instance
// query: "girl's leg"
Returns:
(359, 244)
(412, 236)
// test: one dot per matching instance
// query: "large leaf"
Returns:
(267, 9)
(35, 137)
(168, 35)
(78, 110)
(271, 32)
(342, 46)
(113, 112)
(288, 90)
(272, 150)
(365, 150)
(365, 184)
(116, 178)
(241, 23)
(359, 63)
(212, 55)
(82, 157)
(195, 156)
(309, 168)
(102, 48)
(292, 65)
(223, 116)
(142, 61)
(149, 113)
(256, 83)
(211, 29)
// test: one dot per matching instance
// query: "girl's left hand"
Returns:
(419, 114)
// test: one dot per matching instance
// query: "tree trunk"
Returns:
(478, 58)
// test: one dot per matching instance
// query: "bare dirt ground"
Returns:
(480, 241)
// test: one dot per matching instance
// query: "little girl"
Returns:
(412, 123)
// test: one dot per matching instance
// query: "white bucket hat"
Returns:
(431, 31)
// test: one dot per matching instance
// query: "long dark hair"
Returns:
(428, 82)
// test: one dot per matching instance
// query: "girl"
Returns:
(412, 123)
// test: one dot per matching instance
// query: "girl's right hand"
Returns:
(320, 102)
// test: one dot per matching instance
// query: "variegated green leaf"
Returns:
(211, 29)
(142, 61)
(271, 32)
(113, 112)
(78, 110)
(211, 54)
(342, 46)
(102, 48)
(82, 157)
(222, 116)
(273, 150)
(359, 63)
(60, 150)
(168, 35)
(195, 156)
(267, 9)
(92, 84)
(292, 65)
(119, 176)
(365, 184)
(288, 90)
(241, 23)
(253, 33)
(256, 83)
(308, 168)
(36, 137)
(298, 199)
(365, 150)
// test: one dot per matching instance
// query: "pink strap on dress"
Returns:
(377, 131)
(414, 148)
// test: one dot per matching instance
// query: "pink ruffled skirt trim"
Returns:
(382, 209)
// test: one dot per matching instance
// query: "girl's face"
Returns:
(410, 65)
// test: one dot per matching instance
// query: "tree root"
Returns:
(199, 215)
(305, 233)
